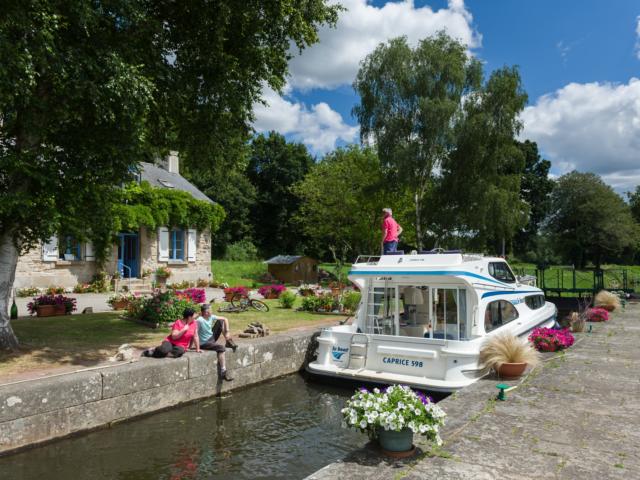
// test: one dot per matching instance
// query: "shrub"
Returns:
(393, 408)
(309, 304)
(54, 290)
(287, 299)
(271, 290)
(351, 301)
(597, 315)
(181, 285)
(163, 307)
(69, 303)
(506, 348)
(242, 250)
(607, 300)
(550, 340)
(196, 295)
(202, 283)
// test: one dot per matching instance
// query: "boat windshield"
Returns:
(417, 311)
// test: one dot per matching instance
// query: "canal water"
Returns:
(286, 428)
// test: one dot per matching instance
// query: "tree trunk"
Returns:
(8, 262)
(418, 201)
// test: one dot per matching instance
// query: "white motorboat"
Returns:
(423, 318)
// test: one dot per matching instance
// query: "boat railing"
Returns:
(368, 259)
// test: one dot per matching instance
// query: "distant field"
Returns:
(562, 276)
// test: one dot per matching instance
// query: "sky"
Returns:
(579, 61)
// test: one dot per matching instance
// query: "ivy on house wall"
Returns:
(141, 205)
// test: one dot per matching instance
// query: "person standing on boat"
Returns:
(390, 232)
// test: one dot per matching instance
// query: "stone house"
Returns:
(187, 252)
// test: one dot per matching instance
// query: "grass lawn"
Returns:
(238, 273)
(88, 340)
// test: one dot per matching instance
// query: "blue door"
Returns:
(128, 247)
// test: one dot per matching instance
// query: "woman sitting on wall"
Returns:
(183, 331)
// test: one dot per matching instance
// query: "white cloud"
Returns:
(335, 59)
(590, 127)
(319, 126)
(637, 48)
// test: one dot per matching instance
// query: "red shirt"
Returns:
(186, 337)
(390, 230)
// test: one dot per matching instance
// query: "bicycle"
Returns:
(242, 303)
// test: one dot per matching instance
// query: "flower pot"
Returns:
(228, 296)
(120, 305)
(511, 371)
(578, 326)
(391, 441)
(272, 296)
(46, 310)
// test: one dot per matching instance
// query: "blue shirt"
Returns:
(205, 328)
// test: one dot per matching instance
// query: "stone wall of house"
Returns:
(32, 271)
(180, 270)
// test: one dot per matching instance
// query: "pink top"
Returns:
(185, 339)
(390, 230)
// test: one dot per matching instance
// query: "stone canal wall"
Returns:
(37, 411)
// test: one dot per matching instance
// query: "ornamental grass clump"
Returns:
(550, 339)
(394, 408)
(597, 314)
(507, 348)
(607, 300)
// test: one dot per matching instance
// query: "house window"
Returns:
(70, 248)
(499, 313)
(176, 245)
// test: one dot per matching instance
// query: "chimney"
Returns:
(171, 163)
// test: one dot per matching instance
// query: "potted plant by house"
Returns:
(120, 301)
(49, 305)
(551, 339)
(392, 416)
(271, 292)
(230, 292)
(508, 355)
(162, 273)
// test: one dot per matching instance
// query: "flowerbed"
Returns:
(196, 295)
(162, 308)
(550, 339)
(597, 314)
(321, 303)
(393, 408)
(68, 302)
(271, 291)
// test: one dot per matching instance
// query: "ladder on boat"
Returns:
(358, 351)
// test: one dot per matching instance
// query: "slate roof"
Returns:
(283, 259)
(160, 178)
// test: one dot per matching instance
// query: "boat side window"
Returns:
(534, 301)
(499, 313)
(501, 271)
(381, 309)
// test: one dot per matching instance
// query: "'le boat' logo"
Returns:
(338, 352)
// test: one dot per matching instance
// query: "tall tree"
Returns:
(274, 167)
(589, 221)
(535, 190)
(634, 203)
(88, 89)
(481, 180)
(342, 199)
(409, 100)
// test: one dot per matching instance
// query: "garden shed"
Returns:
(293, 268)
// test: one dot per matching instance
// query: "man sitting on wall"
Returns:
(210, 328)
